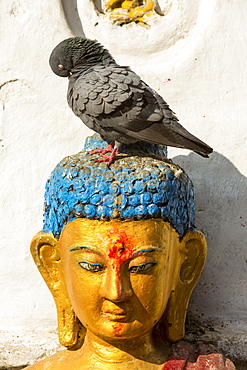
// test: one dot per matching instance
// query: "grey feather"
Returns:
(114, 101)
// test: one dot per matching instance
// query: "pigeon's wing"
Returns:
(113, 98)
(170, 132)
(116, 103)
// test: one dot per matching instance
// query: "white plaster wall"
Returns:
(202, 75)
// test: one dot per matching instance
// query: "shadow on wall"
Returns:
(222, 215)
(72, 17)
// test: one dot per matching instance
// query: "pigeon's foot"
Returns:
(109, 158)
(106, 158)
(108, 149)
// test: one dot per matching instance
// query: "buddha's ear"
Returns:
(46, 255)
(191, 259)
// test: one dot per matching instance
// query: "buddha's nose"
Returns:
(116, 286)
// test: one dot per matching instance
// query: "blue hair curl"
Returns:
(140, 184)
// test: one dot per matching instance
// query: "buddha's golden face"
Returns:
(119, 274)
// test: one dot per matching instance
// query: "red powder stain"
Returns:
(117, 328)
(175, 365)
(122, 246)
(243, 224)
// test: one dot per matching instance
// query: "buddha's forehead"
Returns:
(132, 234)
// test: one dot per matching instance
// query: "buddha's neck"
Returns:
(119, 350)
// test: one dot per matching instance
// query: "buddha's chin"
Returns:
(120, 330)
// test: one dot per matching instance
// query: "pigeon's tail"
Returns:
(172, 135)
(204, 155)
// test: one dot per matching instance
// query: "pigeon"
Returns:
(115, 102)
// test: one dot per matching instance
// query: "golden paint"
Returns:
(128, 10)
(115, 280)
(96, 297)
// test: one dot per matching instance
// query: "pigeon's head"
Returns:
(76, 52)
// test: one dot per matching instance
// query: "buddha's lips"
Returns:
(116, 315)
(115, 312)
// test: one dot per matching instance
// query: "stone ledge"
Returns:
(229, 337)
(12, 368)
(23, 347)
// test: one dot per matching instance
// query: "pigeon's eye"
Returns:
(60, 67)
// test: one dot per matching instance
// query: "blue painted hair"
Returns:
(140, 184)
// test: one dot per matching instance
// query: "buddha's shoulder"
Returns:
(183, 355)
(61, 360)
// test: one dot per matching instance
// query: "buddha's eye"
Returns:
(92, 267)
(139, 269)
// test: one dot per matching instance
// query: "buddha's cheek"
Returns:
(84, 296)
(152, 294)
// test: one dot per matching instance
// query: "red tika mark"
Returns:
(122, 246)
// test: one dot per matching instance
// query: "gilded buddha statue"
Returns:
(120, 254)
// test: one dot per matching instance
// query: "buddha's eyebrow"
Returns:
(83, 247)
(147, 250)
(136, 253)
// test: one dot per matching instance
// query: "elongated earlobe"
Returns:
(191, 259)
(47, 258)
